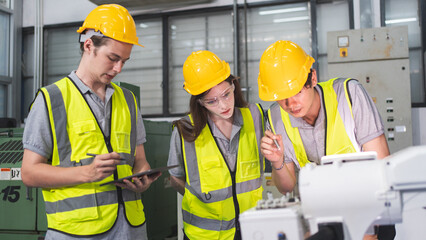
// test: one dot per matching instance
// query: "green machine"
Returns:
(22, 214)
(160, 200)
(135, 90)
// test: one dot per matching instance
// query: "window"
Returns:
(27, 73)
(399, 13)
(62, 53)
(266, 25)
(5, 58)
(3, 100)
(366, 13)
(5, 3)
(213, 32)
(145, 67)
(330, 17)
(4, 43)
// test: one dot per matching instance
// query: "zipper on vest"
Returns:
(236, 205)
(234, 183)
(325, 120)
(119, 190)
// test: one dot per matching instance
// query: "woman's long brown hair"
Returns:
(200, 114)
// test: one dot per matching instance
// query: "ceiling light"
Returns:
(294, 19)
(284, 10)
(400, 20)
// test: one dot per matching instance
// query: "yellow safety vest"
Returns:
(337, 135)
(214, 196)
(89, 209)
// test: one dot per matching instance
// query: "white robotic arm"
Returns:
(355, 195)
(363, 193)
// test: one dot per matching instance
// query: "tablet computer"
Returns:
(148, 172)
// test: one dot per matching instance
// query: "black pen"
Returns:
(94, 155)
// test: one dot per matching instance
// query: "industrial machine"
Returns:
(378, 58)
(344, 199)
(22, 214)
(160, 199)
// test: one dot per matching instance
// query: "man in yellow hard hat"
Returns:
(84, 131)
(311, 119)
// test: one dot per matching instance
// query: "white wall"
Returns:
(57, 11)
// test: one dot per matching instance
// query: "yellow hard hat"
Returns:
(283, 71)
(113, 21)
(203, 70)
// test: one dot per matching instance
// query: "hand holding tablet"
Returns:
(150, 172)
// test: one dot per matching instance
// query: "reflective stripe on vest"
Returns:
(214, 196)
(338, 120)
(89, 209)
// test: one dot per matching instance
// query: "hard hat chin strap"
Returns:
(89, 33)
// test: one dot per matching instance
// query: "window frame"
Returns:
(6, 81)
(241, 8)
(422, 22)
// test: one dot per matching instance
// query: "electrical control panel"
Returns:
(378, 59)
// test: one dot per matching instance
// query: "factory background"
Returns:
(39, 45)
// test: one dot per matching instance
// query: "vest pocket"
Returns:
(249, 169)
(122, 141)
(134, 210)
(211, 174)
(83, 136)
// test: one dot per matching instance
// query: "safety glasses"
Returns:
(224, 96)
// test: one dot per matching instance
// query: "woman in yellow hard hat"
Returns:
(217, 147)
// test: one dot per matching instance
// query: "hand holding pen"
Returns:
(103, 165)
(271, 148)
(275, 141)
(122, 160)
